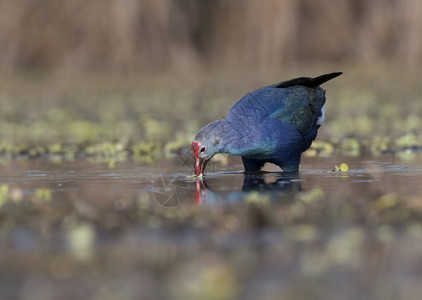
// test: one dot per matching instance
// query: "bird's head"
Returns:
(205, 145)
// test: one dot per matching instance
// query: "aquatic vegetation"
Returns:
(146, 152)
(379, 144)
(257, 199)
(342, 168)
(4, 192)
(409, 140)
(320, 148)
(386, 201)
(81, 238)
(107, 149)
(311, 196)
(350, 147)
(42, 195)
(96, 119)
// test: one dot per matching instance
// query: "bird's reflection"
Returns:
(222, 188)
(228, 188)
(201, 191)
(282, 182)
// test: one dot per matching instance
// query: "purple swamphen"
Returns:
(272, 124)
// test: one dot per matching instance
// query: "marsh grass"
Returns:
(265, 35)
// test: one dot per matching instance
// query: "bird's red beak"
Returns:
(200, 162)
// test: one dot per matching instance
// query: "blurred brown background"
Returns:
(134, 72)
(186, 34)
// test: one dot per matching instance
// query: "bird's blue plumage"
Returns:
(272, 124)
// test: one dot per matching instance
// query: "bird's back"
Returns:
(295, 105)
(298, 102)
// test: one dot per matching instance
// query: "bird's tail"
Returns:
(317, 81)
(308, 81)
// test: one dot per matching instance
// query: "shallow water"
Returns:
(224, 185)
(81, 228)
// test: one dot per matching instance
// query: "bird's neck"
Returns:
(238, 141)
(231, 138)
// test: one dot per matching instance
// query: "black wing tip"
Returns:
(309, 82)
(317, 81)
(335, 74)
(330, 75)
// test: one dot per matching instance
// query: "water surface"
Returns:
(83, 229)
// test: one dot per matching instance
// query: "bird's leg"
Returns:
(291, 165)
(290, 168)
(252, 165)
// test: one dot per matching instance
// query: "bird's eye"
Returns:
(202, 149)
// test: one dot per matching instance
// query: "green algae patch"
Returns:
(320, 148)
(342, 168)
(408, 141)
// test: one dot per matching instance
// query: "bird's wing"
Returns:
(299, 106)
(295, 105)
(303, 101)
(298, 102)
